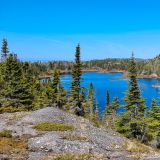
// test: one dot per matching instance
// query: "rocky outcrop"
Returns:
(98, 141)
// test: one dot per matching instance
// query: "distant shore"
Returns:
(125, 74)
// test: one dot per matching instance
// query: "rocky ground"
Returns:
(103, 143)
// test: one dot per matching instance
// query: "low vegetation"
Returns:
(71, 156)
(6, 133)
(74, 137)
(137, 149)
(11, 109)
(21, 89)
(10, 146)
(51, 126)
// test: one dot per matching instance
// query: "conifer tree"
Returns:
(115, 104)
(155, 110)
(132, 121)
(27, 86)
(134, 102)
(82, 95)
(76, 83)
(108, 109)
(17, 90)
(91, 99)
(153, 105)
(4, 49)
(108, 99)
(55, 92)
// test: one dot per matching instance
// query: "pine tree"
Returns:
(96, 115)
(91, 99)
(108, 109)
(134, 102)
(27, 86)
(4, 49)
(82, 95)
(153, 125)
(55, 92)
(155, 110)
(76, 83)
(132, 122)
(108, 99)
(17, 90)
(115, 105)
(110, 115)
(153, 105)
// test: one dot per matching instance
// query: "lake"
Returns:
(104, 81)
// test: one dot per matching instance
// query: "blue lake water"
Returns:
(103, 82)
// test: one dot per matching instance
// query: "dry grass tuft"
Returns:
(74, 137)
(71, 156)
(138, 149)
(12, 145)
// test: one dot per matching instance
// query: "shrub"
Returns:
(6, 133)
(52, 126)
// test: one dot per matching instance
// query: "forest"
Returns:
(145, 67)
(21, 90)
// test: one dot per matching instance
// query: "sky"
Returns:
(51, 29)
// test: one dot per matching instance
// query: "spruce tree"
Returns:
(133, 100)
(108, 99)
(108, 109)
(155, 110)
(76, 83)
(55, 92)
(132, 121)
(17, 90)
(115, 105)
(91, 99)
(27, 86)
(4, 49)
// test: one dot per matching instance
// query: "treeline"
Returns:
(144, 67)
(20, 89)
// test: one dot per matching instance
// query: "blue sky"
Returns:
(50, 29)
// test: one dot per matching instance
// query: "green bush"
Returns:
(52, 126)
(6, 133)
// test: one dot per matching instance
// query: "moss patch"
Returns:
(6, 133)
(74, 137)
(70, 156)
(51, 126)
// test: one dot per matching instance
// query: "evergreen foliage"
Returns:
(91, 99)
(76, 83)
(4, 48)
(21, 89)
(16, 91)
(132, 121)
(108, 99)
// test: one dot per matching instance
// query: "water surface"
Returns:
(103, 82)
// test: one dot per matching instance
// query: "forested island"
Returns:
(22, 93)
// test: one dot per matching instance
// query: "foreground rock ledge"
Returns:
(98, 141)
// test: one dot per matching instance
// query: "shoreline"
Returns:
(125, 74)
